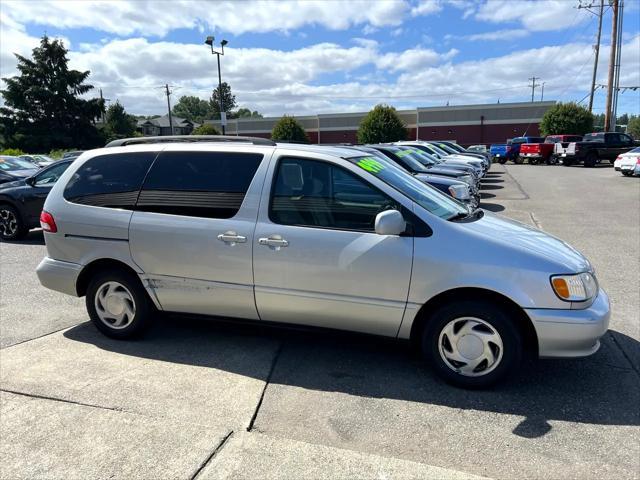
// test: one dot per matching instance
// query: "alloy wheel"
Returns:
(8, 223)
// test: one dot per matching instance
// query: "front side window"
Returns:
(111, 181)
(51, 175)
(198, 184)
(318, 194)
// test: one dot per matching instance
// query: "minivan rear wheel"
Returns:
(472, 344)
(118, 304)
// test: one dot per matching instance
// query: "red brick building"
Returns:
(465, 124)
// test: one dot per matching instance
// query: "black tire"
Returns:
(627, 173)
(502, 161)
(566, 162)
(497, 318)
(551, 160)
(143, 306)
(11, 225)
(591, 159)
(518, 160)
(533, 161)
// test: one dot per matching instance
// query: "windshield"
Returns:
(15, 163)
(424, 195)
(438, 150)
(635, 150)
(406, 158)
(447, 148)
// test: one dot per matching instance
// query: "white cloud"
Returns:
(535, 16)
(426, 7)
(503, 35)
(156, 18)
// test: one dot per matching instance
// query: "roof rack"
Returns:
(189, 139)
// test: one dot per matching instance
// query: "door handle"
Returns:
(274, 241)
(231, 238)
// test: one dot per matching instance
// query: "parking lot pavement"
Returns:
(178, 403)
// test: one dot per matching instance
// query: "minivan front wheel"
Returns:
(472, 344)
(118, 304)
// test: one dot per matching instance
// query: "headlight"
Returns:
(575, 288)
(461, 192)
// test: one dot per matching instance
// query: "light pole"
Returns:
(223, 117)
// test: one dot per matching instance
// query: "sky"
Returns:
(308, 57)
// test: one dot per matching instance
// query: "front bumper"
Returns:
(571, 333)
(58, 275)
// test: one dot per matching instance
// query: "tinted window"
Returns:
(51, 175)
(198, 184)
(109, 180)
(319, 194)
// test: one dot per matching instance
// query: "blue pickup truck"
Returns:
(502, 152)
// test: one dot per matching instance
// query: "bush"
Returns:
(566, 118)
(633, 127)
(12, 152)
(381, 125)
(289, 130)
(205, 129)
(58, 153)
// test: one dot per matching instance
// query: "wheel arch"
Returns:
(95, 266)
(523, 321)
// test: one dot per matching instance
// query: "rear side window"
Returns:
(109, 180)
(198, 184)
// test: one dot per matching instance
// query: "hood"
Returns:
(12, 184)
(449, 172)
(21, 173)
(514, 235)
(425, 177)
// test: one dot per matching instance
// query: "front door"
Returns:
(192, 231)
(317, 259)
(36, 193)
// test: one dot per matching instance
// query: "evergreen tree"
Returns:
(228, 101)
(119, 124)
(44, 108)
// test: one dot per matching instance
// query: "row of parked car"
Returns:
(589, 149)
(445, 166)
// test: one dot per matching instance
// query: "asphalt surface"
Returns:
(198, 399)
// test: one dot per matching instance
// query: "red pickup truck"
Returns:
(544, 152)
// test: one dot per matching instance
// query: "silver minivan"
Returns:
(315, 236)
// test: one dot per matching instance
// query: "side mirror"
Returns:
(31, 181)
(390, 222)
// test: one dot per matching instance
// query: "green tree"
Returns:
(205, 129)
(622, 119)
(633, 127)
(193, 109)
(569, 118)
(43, 105)
(247, 113)
(119, 124)
(288, 129)
(228, 100)
(381, 124)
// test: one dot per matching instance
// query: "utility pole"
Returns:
(616, 81)
(542, 95)
(533, 86)
(596, 47)
(103, 101)
(166, 87)
(612, 61)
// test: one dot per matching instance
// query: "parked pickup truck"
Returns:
(598, 146)
(511, 150)
(545, 152)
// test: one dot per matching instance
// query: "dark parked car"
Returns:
(598, 146)
(15, 168)
(21, 201)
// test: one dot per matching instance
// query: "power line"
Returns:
(533, 86)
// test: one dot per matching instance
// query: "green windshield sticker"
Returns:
(370, 165)
(404, 153)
